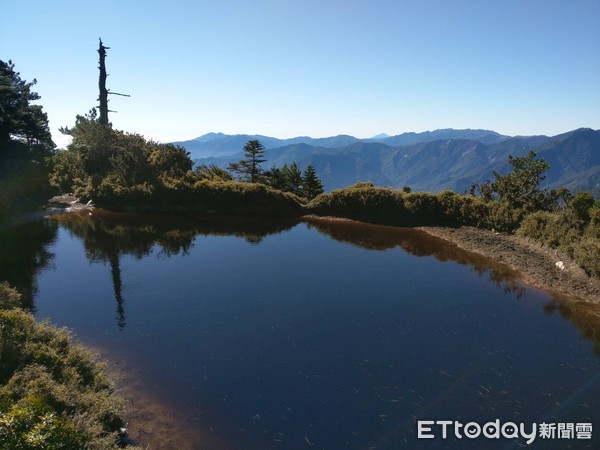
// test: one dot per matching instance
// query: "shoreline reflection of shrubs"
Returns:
(574, 228)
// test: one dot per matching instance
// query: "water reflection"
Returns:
(108, 236)
(584, 316)
(23, 254)
(24, 250)
(417, 243)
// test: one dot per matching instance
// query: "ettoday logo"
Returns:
(430, 429)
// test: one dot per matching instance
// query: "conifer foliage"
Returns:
(249, 168)
(312, 185)
(20, 121)
(288, 178)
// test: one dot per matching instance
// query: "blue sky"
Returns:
(314, 67)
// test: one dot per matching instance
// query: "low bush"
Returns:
(553, 229)
(586, 253)
(574, 229)
(463, 209)
(213, 196)
(365, 202)
(53, 393)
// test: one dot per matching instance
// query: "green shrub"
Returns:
(581, 206)
(587, 255)
(53, 394)
(9, 298)
(66, 167)
(227, 197)
(463, 209)
(593, 228)
(562, 229)
(365, 202)
(31, 426)
(503, 217)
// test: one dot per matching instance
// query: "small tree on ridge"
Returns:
(312, 185)
(249, 168)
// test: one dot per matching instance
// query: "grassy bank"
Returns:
(53, 393)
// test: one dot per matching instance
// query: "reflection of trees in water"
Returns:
(417, 243)
(585, 316)
(23, 254)
(107, 236)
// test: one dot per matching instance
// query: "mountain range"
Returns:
(429, 161)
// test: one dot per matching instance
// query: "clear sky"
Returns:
(313, 67)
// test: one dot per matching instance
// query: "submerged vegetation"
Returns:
(53, 393)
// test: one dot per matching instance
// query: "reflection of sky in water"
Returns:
(303, 338)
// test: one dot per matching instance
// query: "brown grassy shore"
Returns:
(536, 262)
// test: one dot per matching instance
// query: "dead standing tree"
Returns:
(103, 97)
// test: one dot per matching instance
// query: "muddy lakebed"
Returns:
(281, 334)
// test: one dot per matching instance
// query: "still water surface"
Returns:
(317, 334)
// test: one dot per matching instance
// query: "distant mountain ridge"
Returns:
(219, 144)
(429, 161)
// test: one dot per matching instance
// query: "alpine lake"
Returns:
(313, 333)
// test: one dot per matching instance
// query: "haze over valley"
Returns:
(430, 161)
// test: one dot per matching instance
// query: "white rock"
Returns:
(560, 265)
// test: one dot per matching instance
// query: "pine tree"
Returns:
(312, 185)
(20, 121)
(275, 178)
(293, 177)
(249, 168)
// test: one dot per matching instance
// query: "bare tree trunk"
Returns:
(103, 98)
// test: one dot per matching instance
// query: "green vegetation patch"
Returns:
(123, 171)
(25, 143)
(207, 196)
(368, 203)
(574, 229)
(53, 393)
